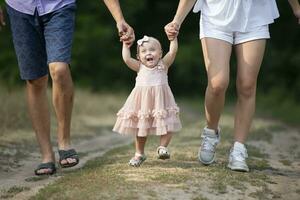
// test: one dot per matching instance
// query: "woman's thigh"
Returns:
(249, 58)
(216, 54)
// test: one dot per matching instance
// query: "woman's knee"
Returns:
(219, 88)
(246, 89)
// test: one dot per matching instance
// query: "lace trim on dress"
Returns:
(141, 115)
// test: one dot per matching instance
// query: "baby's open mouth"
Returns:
(149, 59)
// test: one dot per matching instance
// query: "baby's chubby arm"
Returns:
(130, 62)
(169, 58)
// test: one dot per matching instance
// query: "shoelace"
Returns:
(239, 154)
(208, 143)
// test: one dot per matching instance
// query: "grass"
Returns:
(277, 104)
(286, 162)
(109, 177)
(93, 114)
(11, 192)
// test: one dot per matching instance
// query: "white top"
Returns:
(237, 15)
(152, 76)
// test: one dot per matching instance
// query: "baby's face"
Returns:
(150, 53)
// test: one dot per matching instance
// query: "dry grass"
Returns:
(182, 177)
(91, 113)
(109, 177)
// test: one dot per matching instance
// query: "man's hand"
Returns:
(297, 14)
(126, 33)
(2, 21)
(172, 30)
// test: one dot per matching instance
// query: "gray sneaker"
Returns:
(210, 139)
(237, 158)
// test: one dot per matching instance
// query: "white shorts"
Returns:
(234, 37)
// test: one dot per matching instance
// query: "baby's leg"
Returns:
(139, 156)
(165, 139)
(140, 144)
(163, 152)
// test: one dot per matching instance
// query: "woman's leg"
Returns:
(216, 56)
(249, 59)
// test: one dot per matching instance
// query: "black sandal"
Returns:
(65, 154)
(48, 165)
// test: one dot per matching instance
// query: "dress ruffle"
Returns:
(148, 110)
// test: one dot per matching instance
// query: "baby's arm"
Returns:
(169, 58)
(130, 62)
(296, 8)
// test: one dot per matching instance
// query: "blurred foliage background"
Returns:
(97, 63)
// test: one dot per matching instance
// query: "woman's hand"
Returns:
(172, 30)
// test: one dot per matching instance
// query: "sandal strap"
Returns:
(163, 148)
(137, 160)
(138, 154)
(64, 154)
(48, 165)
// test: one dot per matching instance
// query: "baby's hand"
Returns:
(126, 45)
(172, 30)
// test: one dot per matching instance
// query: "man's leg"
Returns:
(58, 31)
(36, 91)
(62, 96)
(31, 54)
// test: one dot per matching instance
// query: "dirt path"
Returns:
(283, 155)
(22, 177)
(277, 158)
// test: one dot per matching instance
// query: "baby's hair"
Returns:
(138, 46)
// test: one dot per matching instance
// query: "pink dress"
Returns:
(150, 107)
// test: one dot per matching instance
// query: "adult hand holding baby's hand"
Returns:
(126, 33)
(172, 30)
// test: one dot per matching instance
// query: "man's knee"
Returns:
(59, 72)
(38, 83)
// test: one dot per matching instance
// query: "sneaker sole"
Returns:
(206, 163)
(239, 169)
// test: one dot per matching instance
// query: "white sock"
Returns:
(239, 145)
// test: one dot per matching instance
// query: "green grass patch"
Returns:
(278, 104)
(286, 162)
(11, 192)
